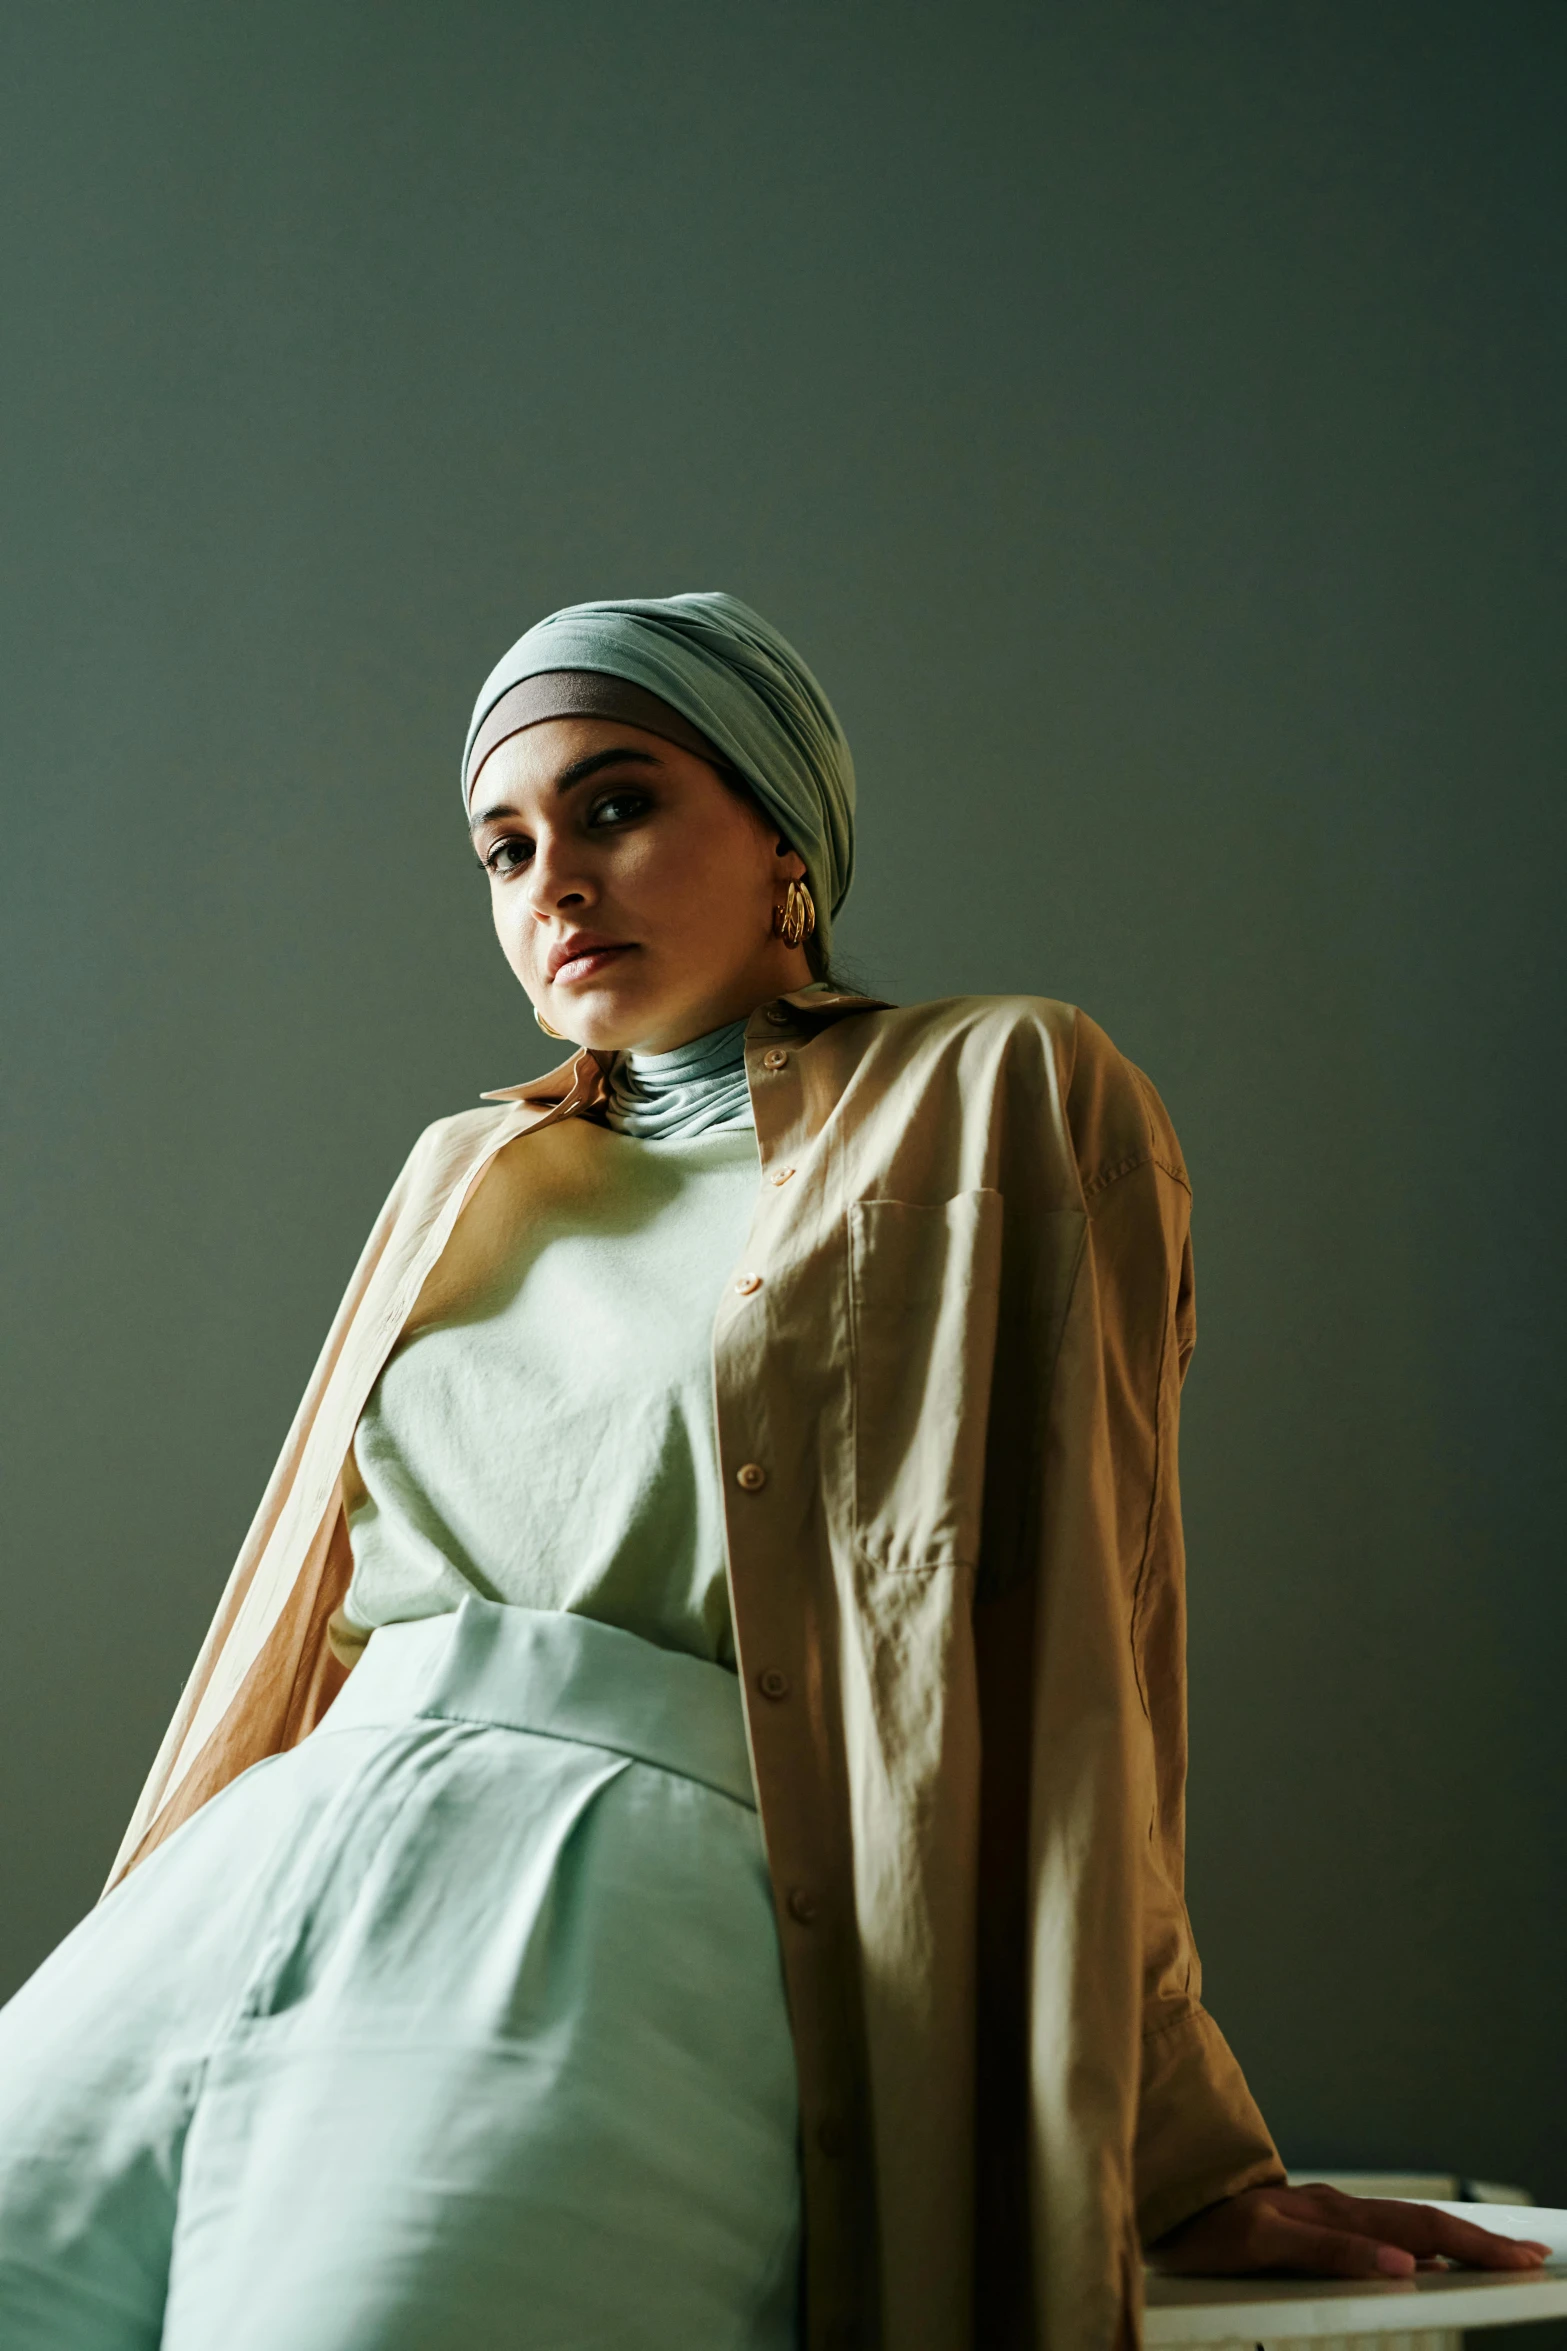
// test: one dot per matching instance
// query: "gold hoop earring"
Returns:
(545, 1026)
(795, 919)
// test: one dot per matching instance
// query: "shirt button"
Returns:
(779, 1015)
(745, 1283)
(775, 1059)
(830, 2135)
(803, 1905)
(752, 1476)
(772, 1683)
(781, 1175)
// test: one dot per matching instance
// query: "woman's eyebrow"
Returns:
(580, 769)
(578, 773)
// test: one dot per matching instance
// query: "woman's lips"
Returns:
(586, 964)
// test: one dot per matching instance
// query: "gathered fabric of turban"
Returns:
(705, 671)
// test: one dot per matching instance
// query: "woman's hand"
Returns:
(1320, 2232)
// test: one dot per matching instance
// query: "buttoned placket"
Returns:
(762, 1506)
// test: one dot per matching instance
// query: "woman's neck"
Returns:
(687, 1090)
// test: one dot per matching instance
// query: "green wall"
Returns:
(1148, 420)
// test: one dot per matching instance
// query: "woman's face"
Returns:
(633, 891)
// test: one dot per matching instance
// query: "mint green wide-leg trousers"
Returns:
(459, 2027)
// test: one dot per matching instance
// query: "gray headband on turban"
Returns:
(733, 679)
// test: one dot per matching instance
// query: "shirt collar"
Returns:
(581, 1083)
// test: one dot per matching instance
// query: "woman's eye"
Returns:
(505, 856)
(619, 807)
(513, 851)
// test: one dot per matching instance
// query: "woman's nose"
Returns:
(557, 882)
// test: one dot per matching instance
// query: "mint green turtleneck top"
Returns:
(543, 1433)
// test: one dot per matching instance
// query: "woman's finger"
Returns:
(1422, 2230)
(1316, 2250)
(1320, 2232)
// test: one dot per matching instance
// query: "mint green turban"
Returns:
(740, 685)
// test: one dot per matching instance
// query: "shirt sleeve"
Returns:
(1200, 2135)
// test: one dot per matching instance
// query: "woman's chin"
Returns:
(622, 1028)
(608, 1019)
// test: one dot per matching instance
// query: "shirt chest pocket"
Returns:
(923, 1285)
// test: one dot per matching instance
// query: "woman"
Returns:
(729, 1561)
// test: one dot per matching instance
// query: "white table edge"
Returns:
(1276, 2311)
(1223, 2311)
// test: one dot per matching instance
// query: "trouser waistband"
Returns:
(566, 1677)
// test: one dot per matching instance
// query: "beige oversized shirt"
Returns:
(947, 1373)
